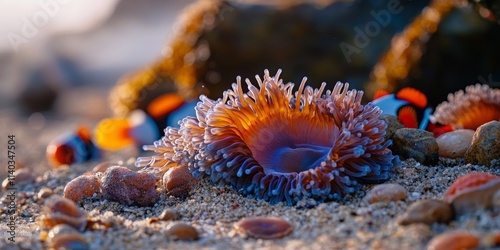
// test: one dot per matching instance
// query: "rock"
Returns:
(178, 181)
(182, 231)
(454, 144)
(23, 177)
(264, 227)
(485, 145)
(45, 193)
(385, 193)
(417, 144)
(65, 237)
(81, 187)
(60, 210)
(393, 124)
(427, 212)
(128, 187)
(454, 241)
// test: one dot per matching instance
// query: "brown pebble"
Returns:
(386, 193)
(485, 145)
(168, 214)
(23, 177)
(60, 210)
(264, 227)
(81, 187)
(128, 187)
(417, 144)
(427, 212)
(178, 181)
(393, 124)
(454, 144)
(182, 231)
(454, 241)
(65, 237)
(45, 193)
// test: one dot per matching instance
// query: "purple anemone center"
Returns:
(296, 159)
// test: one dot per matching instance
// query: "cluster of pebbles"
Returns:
(443, 196)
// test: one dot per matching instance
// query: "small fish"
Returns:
(72, 147)
(143, 127)
(409, 105)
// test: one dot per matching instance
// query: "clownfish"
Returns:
(72, 147)
(410, 106)
(143, 126)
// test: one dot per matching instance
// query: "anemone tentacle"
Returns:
(279, 145)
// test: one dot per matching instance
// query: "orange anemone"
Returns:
(278, 144)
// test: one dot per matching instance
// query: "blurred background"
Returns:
(72, 52)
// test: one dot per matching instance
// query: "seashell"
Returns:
(81, 187)
(65, 237)
(454, 144)
(472, 191)
(60, 210)
(454, 241)
(427, 212)
(264, 227)
(182, 231)
(386, 193)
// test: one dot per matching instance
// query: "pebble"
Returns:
(81, 187)
(417, 144)
(393, 124)
(427, 212)
(182, 231)
(128, 187)
(168, 214)
(65, 237)
(454, 144)
(386, 193)
(44, 193)
(60, 210)
(23, 177)
(454, 241)
(178, 181)
(485, 145)
(264, 227)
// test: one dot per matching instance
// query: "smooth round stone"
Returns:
(485, 145)
(417, 144)
(178, 181)
(386, 193)
(427, 212)
(264, 227)
(454, 144)
(81, 187)
(182, 231)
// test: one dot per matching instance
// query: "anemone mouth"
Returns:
(476, 106)
(280, 146)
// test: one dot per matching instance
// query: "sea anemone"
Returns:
(280, 146)
(476, 106)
